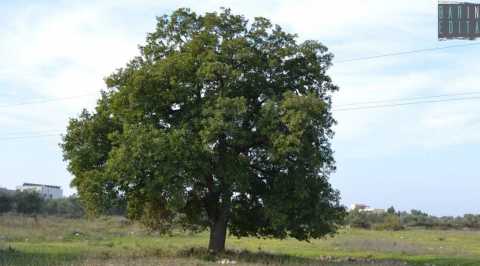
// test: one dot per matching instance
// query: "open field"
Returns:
(113, 241)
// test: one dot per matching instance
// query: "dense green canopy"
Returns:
(220, 122)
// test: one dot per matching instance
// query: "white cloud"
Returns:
(67, 48)
(60, 51)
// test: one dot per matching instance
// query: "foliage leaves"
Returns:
(217, 117)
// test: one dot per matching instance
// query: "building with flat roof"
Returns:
(46, 191)
(359, 207)
(365, 208)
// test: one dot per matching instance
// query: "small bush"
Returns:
(6, 203)
(391, 222)
(29, 203)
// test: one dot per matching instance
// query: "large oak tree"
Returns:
(219, 123)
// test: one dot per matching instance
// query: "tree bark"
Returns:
(218, 234)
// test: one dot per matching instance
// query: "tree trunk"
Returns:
(218, 235)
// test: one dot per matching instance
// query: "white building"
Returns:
(365, 208)
(359, 207)
(47, 191)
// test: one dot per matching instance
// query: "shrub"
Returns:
(28, 202)
(6, 203)
(391, 222)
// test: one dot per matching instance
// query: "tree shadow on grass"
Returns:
(450, 261)
(11, 256)
(244, 256)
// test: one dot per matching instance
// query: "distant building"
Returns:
(365, 208)
(47, 191)
(359, 207)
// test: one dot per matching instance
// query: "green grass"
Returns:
(112, 241)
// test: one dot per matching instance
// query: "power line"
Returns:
(335, 110)
(404, 104)
(408, 99)
(30, 137)
(41, 101)
(354, 106)
(20, 133)
(368, 105)
(405, 52)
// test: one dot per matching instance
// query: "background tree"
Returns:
(66, 207)
(358, 219)
(391, 210)
(6, 202)
(28, 202)
(218, 123)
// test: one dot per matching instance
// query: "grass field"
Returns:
(112, 241)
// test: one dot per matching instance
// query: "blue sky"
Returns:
(421, 156)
